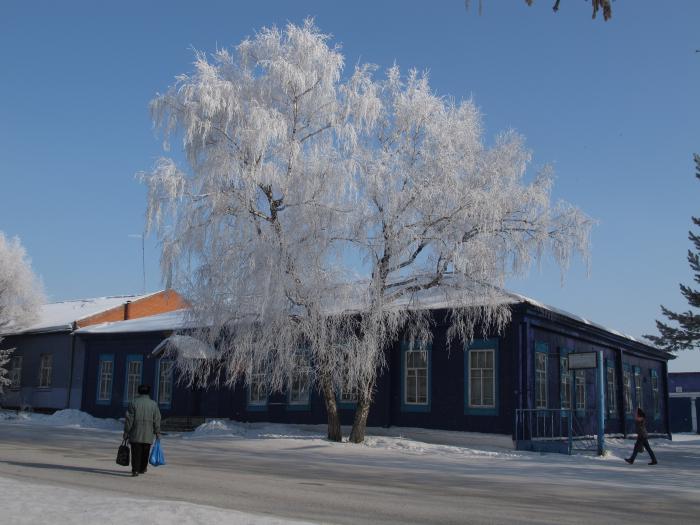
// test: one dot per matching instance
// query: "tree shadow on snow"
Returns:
(51, 466)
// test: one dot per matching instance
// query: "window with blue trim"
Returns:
(165, 381)
(627, 388)
(580, 384)
(105, 379)
(299, 390)
(541, 355)
(638, 393)
(481, 377)
(415, 386)
(611, 381)
(257, 390)
(134, 377)
(656, 408)
(564, 380)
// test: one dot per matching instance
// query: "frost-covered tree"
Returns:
(20, 294)
(291, 172)
(686, 335)
(443, 212)
(247, 226)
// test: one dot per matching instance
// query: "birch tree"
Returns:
(291, 172)
(20, 295)
(443, 212)
(247, 225)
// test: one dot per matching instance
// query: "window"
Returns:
(580, 377)
(627, 389)
(301, 379)
(45, 370)
(134, 373)
(541, 376)
(257, 393)
(416, 377)
(482, 391)
(105, 378)
(348, 394)
(565, 383)
(656, 409)
(639, 398)
(165, 381)
(611, 382)
(16, 371)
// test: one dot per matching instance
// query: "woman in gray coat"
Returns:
(642, 438)
(141, 425)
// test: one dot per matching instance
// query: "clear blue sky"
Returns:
(613, 105)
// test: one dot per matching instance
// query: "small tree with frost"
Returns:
(20, 295)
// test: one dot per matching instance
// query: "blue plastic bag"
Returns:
(157, 458)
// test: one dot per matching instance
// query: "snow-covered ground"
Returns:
(247, 472)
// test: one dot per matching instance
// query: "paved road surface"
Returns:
(303, 479)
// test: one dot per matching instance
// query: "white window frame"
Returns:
(565, 382)
(133, 380)
(165, 381)
(45, 370)
(480, 370)
(611, 382)
(638, 390)
(16, 372)
(541, 387)
(415, 370)
(257, 393)
(627, 389)
(580, 388)
(656, 409)
(106, 379)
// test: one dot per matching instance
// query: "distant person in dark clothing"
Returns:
(642, 438)
(142, 423)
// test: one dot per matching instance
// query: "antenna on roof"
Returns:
(143, 255)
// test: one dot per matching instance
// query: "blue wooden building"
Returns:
(478, 388)
(684, 401)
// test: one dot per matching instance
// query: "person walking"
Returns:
(141, 424)
(642, 442)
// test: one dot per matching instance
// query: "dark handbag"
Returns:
(639, 447)
(123, 454)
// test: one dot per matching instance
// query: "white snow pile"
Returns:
(230, 428)
(63, 418)
(29, 503)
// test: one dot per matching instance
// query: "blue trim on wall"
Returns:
(104, 358)
(626, 367)
(482, 344)
(654, 374)
(406, 407)
(129, 359)
(542, 348)
(157, 384)
(610, 365)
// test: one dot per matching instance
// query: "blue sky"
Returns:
(614, 106)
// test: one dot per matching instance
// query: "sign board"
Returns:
(582, 360)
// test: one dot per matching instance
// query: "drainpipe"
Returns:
(126, 310)
(72, 359)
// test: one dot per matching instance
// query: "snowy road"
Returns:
(302, 477)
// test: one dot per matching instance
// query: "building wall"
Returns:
(448, 406)
(157, 303)
(684, 392)
(31, 347)
(559, 340)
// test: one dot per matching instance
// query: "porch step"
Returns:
(181, 424)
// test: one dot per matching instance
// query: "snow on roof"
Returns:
(59, 317)
(169, 321)
(185, 346)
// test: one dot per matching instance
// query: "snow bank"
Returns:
(29, 503)
(63, 418)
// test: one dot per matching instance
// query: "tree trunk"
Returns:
(364, 400)
(335, 433)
